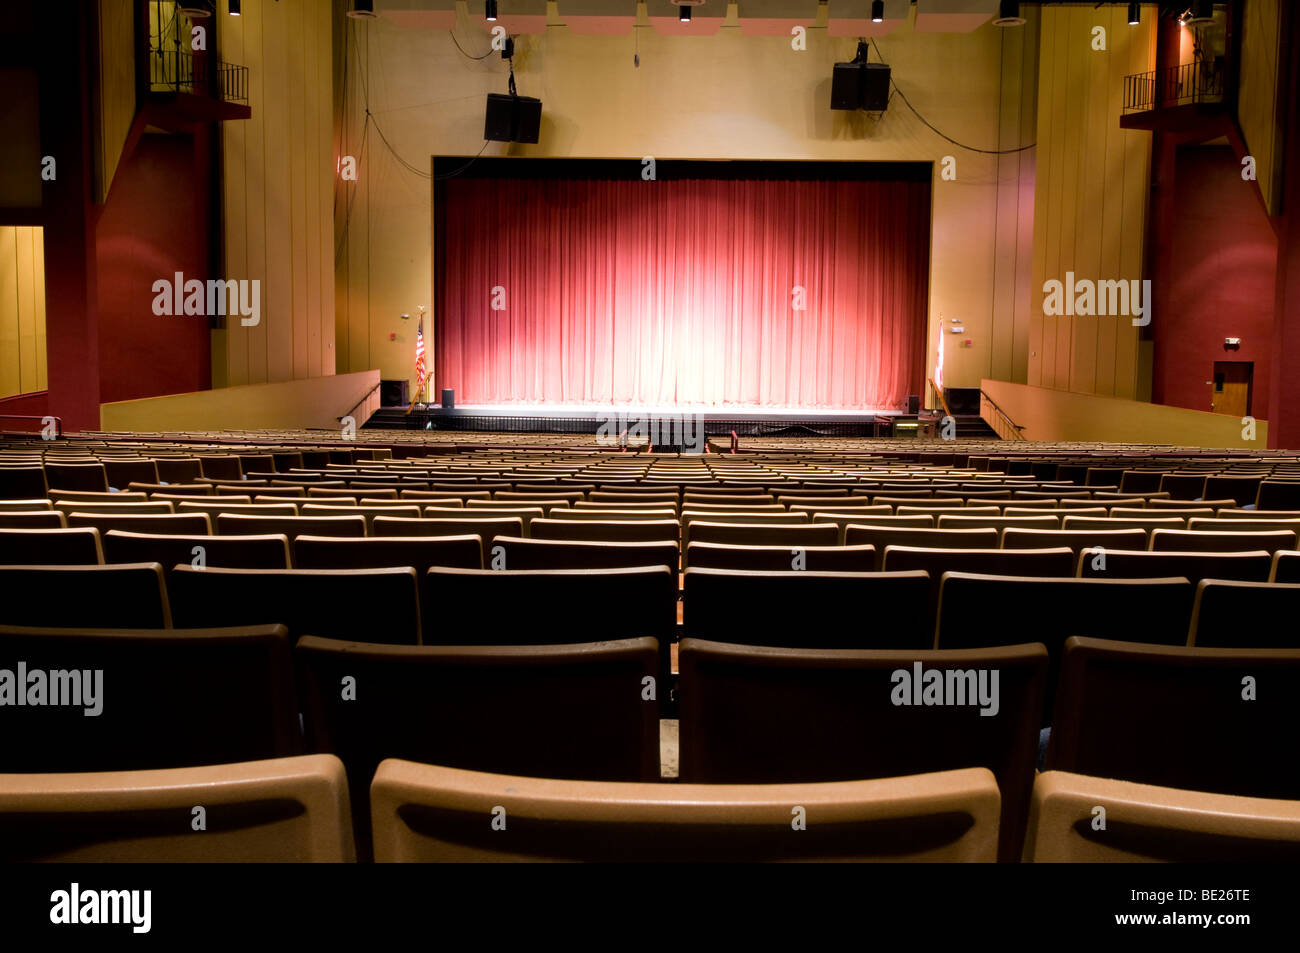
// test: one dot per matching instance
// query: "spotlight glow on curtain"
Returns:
(723, 292)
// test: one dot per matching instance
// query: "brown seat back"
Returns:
(428, 813)
(768, 715)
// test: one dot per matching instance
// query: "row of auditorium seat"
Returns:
(890, 609)
(1220, 719)
(297, 810)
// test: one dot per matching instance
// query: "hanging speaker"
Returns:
(512, 118)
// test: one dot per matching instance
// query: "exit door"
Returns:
(1233, 383)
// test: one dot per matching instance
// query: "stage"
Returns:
(614, 420)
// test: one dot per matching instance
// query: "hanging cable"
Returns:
(929, 125)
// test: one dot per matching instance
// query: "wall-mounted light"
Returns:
(362, 10)
(1134, 14)
(1231, 344)
(233, 9)
(1009, 14)
(877, 11)
(490, 11)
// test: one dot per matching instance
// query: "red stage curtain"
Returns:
(683, 291)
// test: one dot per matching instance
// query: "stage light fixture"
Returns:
(362, 10)
(234, 8)
(1134, 14)
(877, 11)
(490, 11)
(1009, 14)
(684, 14)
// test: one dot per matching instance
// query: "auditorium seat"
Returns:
(125, 596)
(519, 553)
(1143, 564)
(761, 534)
(1147, 523)
(283, 810)
(240, 524)
(366, 605)
(1183, 486)
(1182, 540)
(626, 531)
(217, 507)
(1242, 489)
(378, 552)
(141, 507)
(368, 512)
(221, 466)
(605, 515)
(428, 813)
(27, 506)
(230, 552)
(803, 609)
(1278, 495)
(549, 606)
(884, 535)
(22, 483)
(1260, 524)
(76, 476)
(32, 519)
(195, 524)
(486, 528)
(771, 716)
(977, 611)
(999, 522)
(1002, 562)
(1286, 567)
(1076, 539)
(121, 473)
(541, 506)
(1203, 719)
(585, 711)
(1146, 822)
(113, 496)
(269, 492)
(1249, 615)
(166, 698)
(178, 469)
(525, 513)
(781, 558)
(1183, 508)
(50, 547)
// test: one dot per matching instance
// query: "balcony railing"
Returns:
(1177, 86)
(181, 71)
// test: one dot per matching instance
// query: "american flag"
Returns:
(419, 359)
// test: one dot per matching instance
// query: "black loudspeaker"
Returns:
(393, 393)
(448, 398)
(512, 118)
(860, 86)
(844, 86)
(875, 87)
(913, 404)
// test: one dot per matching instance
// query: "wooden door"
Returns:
(1233, 381)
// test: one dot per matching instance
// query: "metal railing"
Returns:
(367, 398)
(1198, 82)
(943, 400)
(182, 71)
(998, 419)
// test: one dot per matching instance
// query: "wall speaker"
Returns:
(913, 404)
(512, 118)
(448, 398)
(860, 86)
(394, 393)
